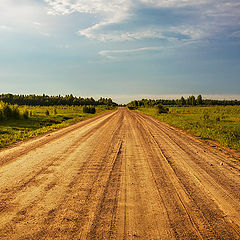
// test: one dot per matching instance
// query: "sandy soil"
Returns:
(121, 175)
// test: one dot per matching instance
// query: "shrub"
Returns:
(131, 108)
(161, 109)
(25, 114)
(7, 112)
(89, 109)
(15, 112)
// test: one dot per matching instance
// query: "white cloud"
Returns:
(214, 15)
(124, 36)
(171, 34)
(174, 3)
(136, 50)
(62, 7)
(109, 12)
(121, 54)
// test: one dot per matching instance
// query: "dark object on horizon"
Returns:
(89, 109)
(161, 109)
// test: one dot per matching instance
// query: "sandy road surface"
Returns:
(121, 175)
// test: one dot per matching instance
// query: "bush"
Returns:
(15, 113)
(161, 109)
(25, 114)
(131, 108)
(89, 109)
(7, 112)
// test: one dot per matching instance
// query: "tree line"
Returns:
(190, 101)
(45, 100)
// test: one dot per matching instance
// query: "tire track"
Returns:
(10, 192)
(178, 189)
(27, 146)
(232, 228)
(104, 223)
(124, 176)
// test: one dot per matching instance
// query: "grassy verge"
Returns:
(218, 123)
(12, 131)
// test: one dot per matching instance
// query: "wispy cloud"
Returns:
(172, 23)
(111, 53)
(170, 34)
(108, 12)
(63, 7)
(174, 3)
(37, 24)
(211, 16)
(5, 28)
(40, 29)
(235, 34)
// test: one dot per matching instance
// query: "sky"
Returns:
(124, 49)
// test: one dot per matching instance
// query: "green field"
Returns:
(14, 130)
(218, 123)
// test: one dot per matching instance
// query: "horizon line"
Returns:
(126, 98)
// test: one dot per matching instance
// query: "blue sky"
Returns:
(124, 49)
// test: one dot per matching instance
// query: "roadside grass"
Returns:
(218, 123)
(14, 130)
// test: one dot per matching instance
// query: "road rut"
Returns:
(121, 175)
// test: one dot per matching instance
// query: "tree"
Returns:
(182, 101)
(191, 101)
(199, 100)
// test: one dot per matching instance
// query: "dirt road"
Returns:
(121, 175)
